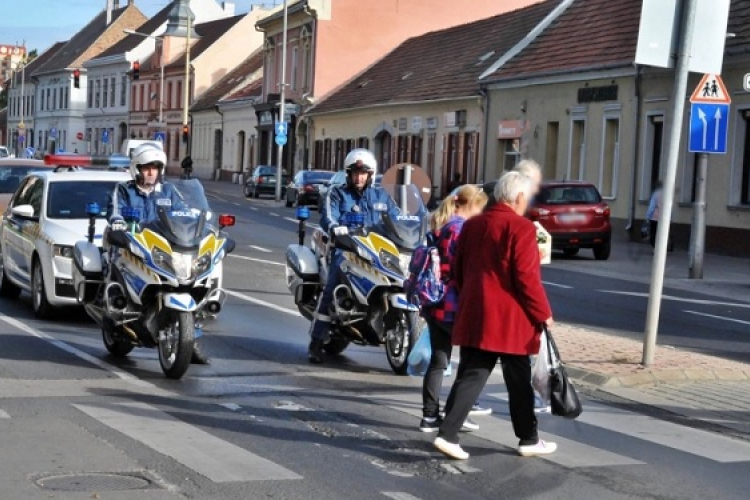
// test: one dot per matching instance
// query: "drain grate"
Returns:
(96, 481)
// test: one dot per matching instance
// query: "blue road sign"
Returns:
(53, 132)
(160, 136)
(709, 124)
(280, 139)
(29, 152)
(105, 136)
(281, 128)
(21, 138)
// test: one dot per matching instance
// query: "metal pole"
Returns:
(282, 107)
(161, 85)
(22, 125)
(186, 90)
(698, 233)
(665, 212)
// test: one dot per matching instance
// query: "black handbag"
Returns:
(564, 399)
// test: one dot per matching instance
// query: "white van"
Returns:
(129, 145)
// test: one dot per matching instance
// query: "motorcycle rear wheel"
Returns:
(397, 349)
(176, 347)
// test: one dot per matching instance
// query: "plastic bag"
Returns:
(419, 357)
(540, 373)
(645, 230)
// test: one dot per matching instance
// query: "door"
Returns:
(19, 233)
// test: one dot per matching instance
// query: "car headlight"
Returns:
(182, 263)
(404, 259)
(202, 264)
(65, 251)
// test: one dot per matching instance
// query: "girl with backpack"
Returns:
(462, 204)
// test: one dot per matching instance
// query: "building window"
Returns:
(327, 156)
(178, 99)
(745, 179)
(168, 103)
(431, 143)
(105, 93)
(112, 96)
(306, 66)
(123, 94)
(350, 144)
(511, 149)
(143, 97)
(97, 94)
(652, 150)
(550, 157)
(363, 142)
(66, 104)
(270, 70)
(416, 150)
(577, 157)
(610, 158)
(339, 155)
(295, 66)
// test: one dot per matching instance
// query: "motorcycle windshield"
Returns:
(407, 228)
(184, 228)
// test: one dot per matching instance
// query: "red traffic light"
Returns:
(136, 70)
(76, 73)
(77, 78)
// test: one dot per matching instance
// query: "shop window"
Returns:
(416, 150)
(653, 148)
(339, 155)
(610, 158)
(745, 180)
(327, 155)
(577, 158)
(549, 169)
(431, 143)
(511, 153)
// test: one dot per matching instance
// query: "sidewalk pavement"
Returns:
(692, 385)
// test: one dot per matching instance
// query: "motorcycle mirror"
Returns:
(226, 220)
(409, 173)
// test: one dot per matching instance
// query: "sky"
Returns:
(43, 22)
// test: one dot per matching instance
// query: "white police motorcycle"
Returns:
(156, 279)
(369, 305)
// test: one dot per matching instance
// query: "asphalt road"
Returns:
(261, 423)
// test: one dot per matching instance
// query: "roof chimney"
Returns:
(110, 4)
(116, 4)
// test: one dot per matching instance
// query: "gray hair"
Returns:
(510, 185)
(529, 168)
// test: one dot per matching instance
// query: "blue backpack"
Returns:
(424, 286)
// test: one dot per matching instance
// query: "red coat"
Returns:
(501, 300)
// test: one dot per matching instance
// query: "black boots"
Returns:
(315, 352)
(199, 358)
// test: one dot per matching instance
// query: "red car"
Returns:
(576, 217)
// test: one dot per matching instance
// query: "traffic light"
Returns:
(185, 133)
(136, 70)
(77, 78)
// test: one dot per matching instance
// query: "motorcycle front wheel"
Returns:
(176, 345)
(399, 343)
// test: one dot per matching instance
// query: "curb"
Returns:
(655, 377)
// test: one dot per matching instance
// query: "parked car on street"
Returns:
(263, 181)
(12, 170)
(575, 215)
(305, 188)
(4, 153)
(46, 217)
(338, 179)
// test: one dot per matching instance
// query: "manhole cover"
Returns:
(96, 481)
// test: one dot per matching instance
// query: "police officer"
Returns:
(357, 196)
(146, 192)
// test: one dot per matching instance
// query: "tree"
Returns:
(3, 97)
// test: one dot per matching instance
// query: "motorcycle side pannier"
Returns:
(302, 261)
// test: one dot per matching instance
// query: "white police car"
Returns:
(45, 218)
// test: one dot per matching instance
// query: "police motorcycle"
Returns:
(155, 280)
(369, 305)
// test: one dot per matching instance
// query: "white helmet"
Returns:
(145, 154)
(361, 159)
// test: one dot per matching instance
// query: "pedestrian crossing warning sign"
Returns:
(712, 90)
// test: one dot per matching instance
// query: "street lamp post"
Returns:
(282, 106)
(186, 90)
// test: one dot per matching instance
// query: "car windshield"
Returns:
(10, 177)
(68, 200)
(568, 195)
(316, 177)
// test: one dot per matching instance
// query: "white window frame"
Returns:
(577, 115)
(611, 116)
(647, 149)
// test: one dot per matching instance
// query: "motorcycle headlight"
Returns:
(162, 259)
(182, 264)
(390, 261)
(202, 264)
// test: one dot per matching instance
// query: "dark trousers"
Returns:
(440, 342)
(473, 371)
(653, 227)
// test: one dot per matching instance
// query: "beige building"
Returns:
(574, 100)
(417, 105)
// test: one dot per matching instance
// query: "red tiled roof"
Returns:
(209, 33)
(252, 89)
(132, 41)
(589, 34)
(438, 65)
(233, 81)
(42, 59)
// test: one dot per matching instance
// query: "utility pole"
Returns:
(282, 107)
(186, 90)
(673, 153)
(698, 233)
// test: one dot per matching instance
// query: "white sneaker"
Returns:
(541, 448)
(451, 450)
(469, 426)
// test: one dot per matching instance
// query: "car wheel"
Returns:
(570, 252)
(256, 194)
(247, 191)
(7, 289)
(289, 202)
(601, 252)
(42, 308)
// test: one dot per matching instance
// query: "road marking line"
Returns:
(680, 299)
(262, 261)
(733, 320)
(263, 303)
(231, 406)
(274, 214)
(254, 208)
(549, 283)
(237, 204)
(78, 353)
(399, 495)
(261, 249)
(291, 220)
(4, 414)
(214, 458)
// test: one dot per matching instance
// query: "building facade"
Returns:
(11, 58)
(329, 42)
(60, 104)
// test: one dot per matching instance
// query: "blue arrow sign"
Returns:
(709, 124)
(281, 128)
(280, 139)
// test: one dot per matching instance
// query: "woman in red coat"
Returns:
(502, 306)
